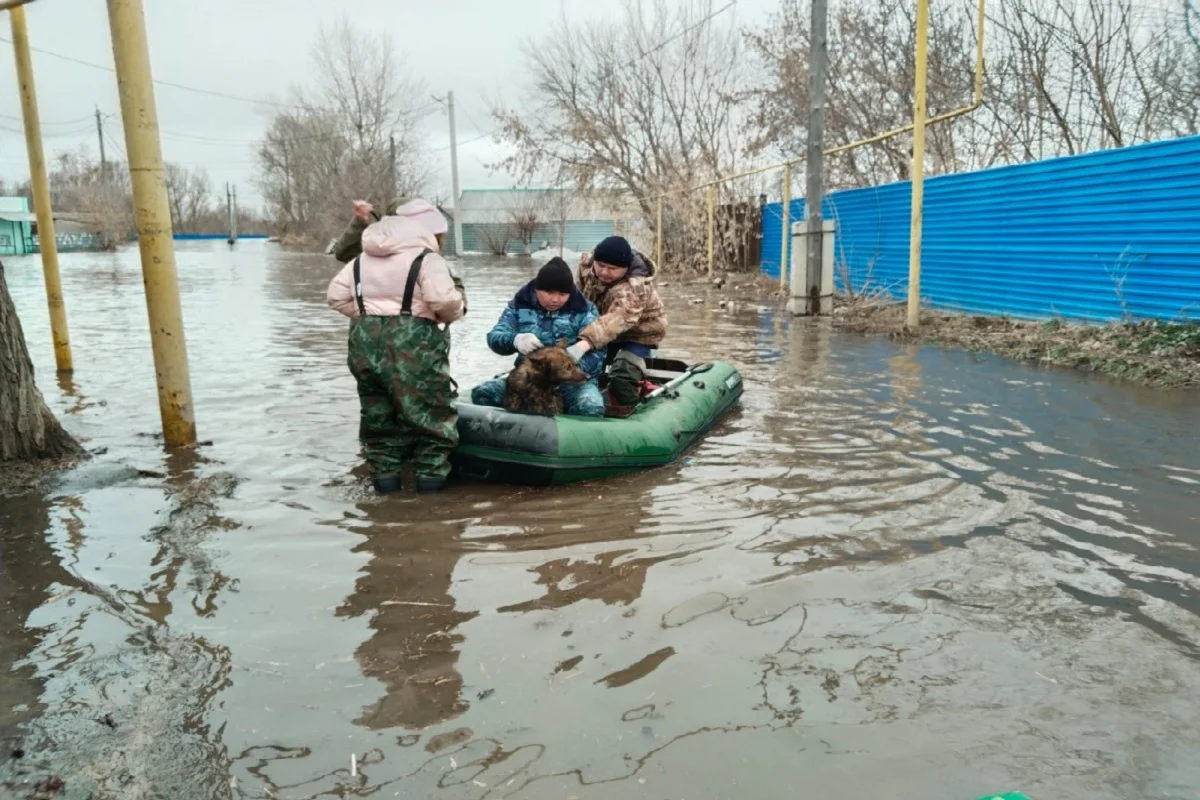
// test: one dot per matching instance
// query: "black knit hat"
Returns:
(554, 276)
(615, 251)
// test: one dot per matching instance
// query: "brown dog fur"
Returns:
(532, 386)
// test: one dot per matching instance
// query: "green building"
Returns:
(16, 226)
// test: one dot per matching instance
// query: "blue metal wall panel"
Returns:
(1093, 237)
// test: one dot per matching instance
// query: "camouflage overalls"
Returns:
(402, 367)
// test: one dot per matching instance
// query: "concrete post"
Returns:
(153, 214)
(801, 297)
(41, 192)
(913, 317)
(819, 59)
(458, 237)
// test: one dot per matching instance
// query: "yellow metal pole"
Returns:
(918, 169)
(41, 192)
(787, 234)
(140, 115)
(658, 237)
(712, 214)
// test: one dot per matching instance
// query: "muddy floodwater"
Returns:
(891, 572)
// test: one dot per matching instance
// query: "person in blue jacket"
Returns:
(548, 308)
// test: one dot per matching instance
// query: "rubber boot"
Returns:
(430, 483)
(619, 412)
(387, 483)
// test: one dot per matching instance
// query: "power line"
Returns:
(88, 118)
(171, 84)
(688, 29)
(464, 141)
(49, 135)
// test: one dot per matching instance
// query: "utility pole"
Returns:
(913, 315)
(41, 191)
(458, 242)
(233, 216)
(287, 179)
(392, 168)
(103, 160)
(152, 210)
(229, 212)
(819, 61)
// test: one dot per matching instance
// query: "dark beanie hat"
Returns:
(554, 276)
(614, 250)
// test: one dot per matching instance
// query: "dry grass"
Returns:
(1151, 353)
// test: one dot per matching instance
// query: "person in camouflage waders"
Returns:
(401, 295)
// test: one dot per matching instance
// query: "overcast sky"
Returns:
(256, 49)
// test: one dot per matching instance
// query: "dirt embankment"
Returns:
(1150, 353)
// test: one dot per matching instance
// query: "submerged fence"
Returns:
(1099, 236)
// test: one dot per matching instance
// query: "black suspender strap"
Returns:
(414, 272)
(358, 297)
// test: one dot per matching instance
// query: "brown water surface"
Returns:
(892, 571)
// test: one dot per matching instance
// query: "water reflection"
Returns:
(31, 576)
(405, 588)
(118, 696)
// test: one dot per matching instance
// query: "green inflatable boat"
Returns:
(499, 446)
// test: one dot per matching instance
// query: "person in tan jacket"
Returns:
(400, 296)
(620, 281)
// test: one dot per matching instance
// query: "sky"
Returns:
(255, 50)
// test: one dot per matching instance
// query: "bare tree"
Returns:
(526, 214)
(646, 101)
(77, 184)
(558, 208)
(28, 429)
(1063, 77)
(496, 234)
(870, 85)
(1082, 76)
(334, 144)
(190, 195)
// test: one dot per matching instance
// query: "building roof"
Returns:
(18, 216)
(83, 218)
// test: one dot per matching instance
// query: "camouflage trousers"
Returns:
(402, 365)
(626, 368)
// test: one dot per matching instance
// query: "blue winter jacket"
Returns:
(524, 315)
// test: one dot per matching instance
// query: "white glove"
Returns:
(526, 343)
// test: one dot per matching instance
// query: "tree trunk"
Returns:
(28, 429)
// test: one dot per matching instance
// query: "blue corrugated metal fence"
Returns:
(1096, 236)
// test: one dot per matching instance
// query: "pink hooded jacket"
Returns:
(389, 248)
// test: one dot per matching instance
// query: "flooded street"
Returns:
(893, 571)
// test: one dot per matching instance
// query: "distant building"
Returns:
(16, 226)
(73, 231)
(496, 220)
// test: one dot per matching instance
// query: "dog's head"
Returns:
(554, 364)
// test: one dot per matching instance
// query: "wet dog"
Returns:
(532, 386)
